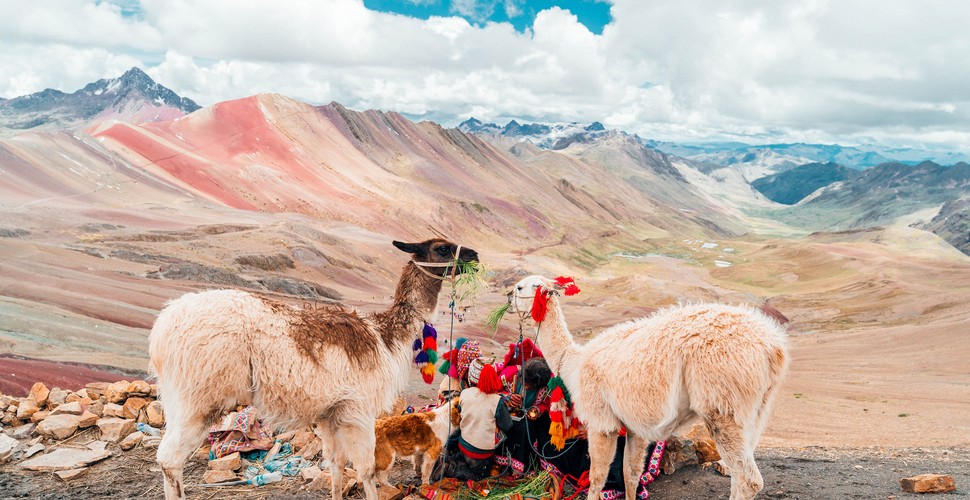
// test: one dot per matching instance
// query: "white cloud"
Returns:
(665, 69)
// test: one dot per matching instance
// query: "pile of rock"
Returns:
(46, 417)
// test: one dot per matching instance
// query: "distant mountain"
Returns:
(952, 223)
(857, 157)
(791, 186)
(132, 97)
(882, 195)
(547, 136)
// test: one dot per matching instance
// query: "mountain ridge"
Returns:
(133, 96)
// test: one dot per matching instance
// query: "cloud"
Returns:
(664, 69)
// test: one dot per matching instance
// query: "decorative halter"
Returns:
(453, 265)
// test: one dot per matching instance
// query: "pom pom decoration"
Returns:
(540, 304)
(564, 425)
(568, 284)
(426, 349)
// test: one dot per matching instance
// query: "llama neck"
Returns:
(556, 342)
(415, 298)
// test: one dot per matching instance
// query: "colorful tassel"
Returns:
(540, 304)
(445, 367)
(427, 373)
(569, 285)
(426, 348)
(422, 357)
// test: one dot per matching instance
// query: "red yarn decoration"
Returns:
(540, 304)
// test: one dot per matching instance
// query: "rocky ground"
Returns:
(115, 426)
(804, 473)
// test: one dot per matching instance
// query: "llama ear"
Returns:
(411, 248)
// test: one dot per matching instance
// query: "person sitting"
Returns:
(484, 420)
(528, 443)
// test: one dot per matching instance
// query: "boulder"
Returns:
(311, 450)
(322, 482)
(73, 397)
(65, 459)
(97, 408)
(155, 414)
(87, 419)
(60, 426)
(7, 447)
(131, 440)
(116, 392)
(150, 442)
(95, 390)
(26, 409)
(23, 431)
(115, 429)
(385, 492)
(57, 397)
(83, 393)
(67, 475)
(212, 476)
(928, 483)
(10, 419)
(33, 450)
(113, 410)
(139, 387)
(680, 453)
(154, 390)
(38, 394)
(301, 439)
(310, 473)
(68, 409)
(40, 415)
(703, 443)
(133, 405)
(229, 462)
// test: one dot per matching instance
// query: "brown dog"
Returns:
(421, 435)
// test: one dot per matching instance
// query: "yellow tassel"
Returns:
(555, 433)
(572, 433)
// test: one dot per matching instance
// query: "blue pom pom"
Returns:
(417, 345)
(429, 331)
(422, 357)
(460, 342)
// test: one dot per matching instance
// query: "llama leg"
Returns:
(737, 455)
(418, 460)
(634, 452)
(182, 437)
(427, 465)
(358, 443)
(602, 447)
(325, 431)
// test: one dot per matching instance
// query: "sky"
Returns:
(845, 71)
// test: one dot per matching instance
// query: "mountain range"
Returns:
(132, 97)
(272, 153)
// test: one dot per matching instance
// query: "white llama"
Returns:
(721, 363)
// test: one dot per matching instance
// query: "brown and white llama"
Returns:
(317, 364)
(651, 375)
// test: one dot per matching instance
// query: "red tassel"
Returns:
(569, 284)
(540, 304)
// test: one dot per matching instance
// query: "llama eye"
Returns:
(443, 251)
(519, 288)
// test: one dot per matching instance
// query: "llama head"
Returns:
(438, 252)
(522, 295)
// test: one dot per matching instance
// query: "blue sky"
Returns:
(594, 14)
(816, 71)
